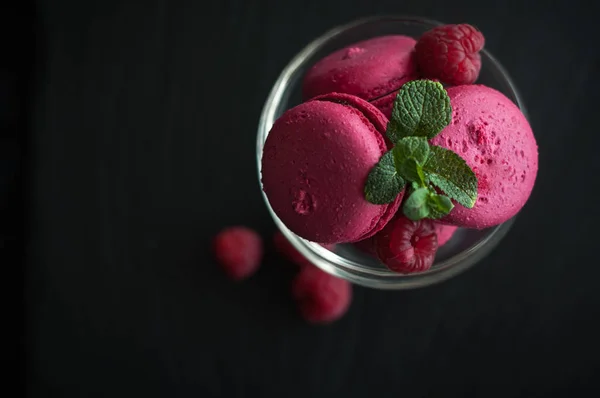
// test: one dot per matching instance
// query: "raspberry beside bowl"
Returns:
(465, 249)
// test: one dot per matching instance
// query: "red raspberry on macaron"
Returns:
(321, 297)
(450, 53)
(407, 246)
(239, 251)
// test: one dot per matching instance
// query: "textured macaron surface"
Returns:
(315, 162)
(367, 69)
(495, 139)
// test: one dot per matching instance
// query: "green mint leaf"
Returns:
(422, 108)
(450, 173)
(439, 205)
(383, 183)
(410, 170)
(409, 155)
(415, 148)
(416, 206)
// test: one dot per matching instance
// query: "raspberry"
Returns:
(284, 247)
(407, 246)
(239, 251)
(450, 53)
(321, 297)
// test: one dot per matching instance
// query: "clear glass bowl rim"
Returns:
(340, 266)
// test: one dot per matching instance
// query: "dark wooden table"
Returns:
(142, 124)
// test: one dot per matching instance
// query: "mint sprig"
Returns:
(415, 148)
(421, 110)
(383, 183)
(423, 203)
(410, 154)
(439, 205)
(416, 205)
(451, 174)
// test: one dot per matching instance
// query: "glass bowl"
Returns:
(466, 247)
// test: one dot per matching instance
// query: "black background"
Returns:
(135, 124)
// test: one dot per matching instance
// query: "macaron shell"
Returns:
(379, 121)
(495, 139)
(386, 103)
(444, 233)
(368, 110)
(368, 69)
(315, 163)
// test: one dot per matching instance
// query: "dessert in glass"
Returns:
(403, 142)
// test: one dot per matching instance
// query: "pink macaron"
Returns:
(495, 139)
(373, 70)
(444, 233)
(315, 163)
